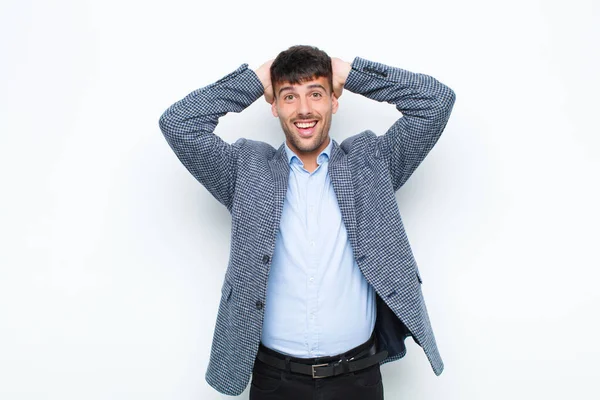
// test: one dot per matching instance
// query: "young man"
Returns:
(322, 286)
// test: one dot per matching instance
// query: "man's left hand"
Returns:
(341, 70)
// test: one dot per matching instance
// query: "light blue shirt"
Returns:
(318, 302)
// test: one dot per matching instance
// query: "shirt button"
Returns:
(266, 259)
(312, 243)
(311, 279)
(259, 305)
(310, 208)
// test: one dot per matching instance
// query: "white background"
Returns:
(113, 255)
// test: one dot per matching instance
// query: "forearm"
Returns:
(199, 112)
(413, 94)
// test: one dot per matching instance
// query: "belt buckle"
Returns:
(316, 366)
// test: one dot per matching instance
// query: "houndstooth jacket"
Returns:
(250, 178)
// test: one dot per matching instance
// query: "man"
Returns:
(322, 287)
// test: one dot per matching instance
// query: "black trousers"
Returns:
(270, 383)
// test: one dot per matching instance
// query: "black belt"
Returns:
(344, 364)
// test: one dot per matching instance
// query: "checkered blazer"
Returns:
(250, 178)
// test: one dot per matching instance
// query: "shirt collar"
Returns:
(321, 158)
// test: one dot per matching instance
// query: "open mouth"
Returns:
(305, 128)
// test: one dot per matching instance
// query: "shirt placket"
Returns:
(313, 257)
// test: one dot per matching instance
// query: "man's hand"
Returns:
(341, 70)
(264, 74)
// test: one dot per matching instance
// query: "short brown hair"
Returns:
(299, 64)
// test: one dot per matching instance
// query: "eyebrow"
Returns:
(312, 86)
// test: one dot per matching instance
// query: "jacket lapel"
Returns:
(281, 171)
(341, 178)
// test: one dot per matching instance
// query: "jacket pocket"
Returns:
(226, 317)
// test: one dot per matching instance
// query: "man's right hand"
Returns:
(264, 74)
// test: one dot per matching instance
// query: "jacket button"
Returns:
(259, 304)
(266, 259)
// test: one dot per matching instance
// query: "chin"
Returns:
(309, 143)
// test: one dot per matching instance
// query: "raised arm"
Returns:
(188, 127)
(424, 102)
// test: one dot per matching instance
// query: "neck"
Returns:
(309, 159)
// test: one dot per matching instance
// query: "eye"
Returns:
(316, 94)
(288, 97)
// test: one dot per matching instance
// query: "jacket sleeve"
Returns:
(424, 102)
(188, 127)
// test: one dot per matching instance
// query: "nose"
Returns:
(304, 107)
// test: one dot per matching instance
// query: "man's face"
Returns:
(305, 111)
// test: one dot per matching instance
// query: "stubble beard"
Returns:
(303, 145)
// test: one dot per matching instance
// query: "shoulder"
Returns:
(363, 142)
(255, 148)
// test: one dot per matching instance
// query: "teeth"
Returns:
(305, 125)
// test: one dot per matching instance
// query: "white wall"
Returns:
(113, 255)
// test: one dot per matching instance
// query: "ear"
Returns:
(274, 108)
(334, 103)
